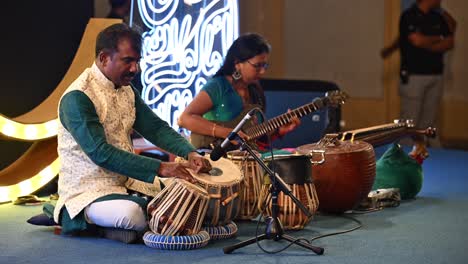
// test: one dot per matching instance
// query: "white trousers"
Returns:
(123, 214)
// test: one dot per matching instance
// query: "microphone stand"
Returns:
(274, 228)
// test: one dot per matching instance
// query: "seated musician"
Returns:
(232, 90)
(97, 114)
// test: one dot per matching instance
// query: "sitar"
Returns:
(388, 133)
(347, 169)
(254, 131)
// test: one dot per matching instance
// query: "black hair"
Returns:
(108, 39)
(243, 48)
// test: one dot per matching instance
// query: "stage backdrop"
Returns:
(39, 41)
(337, 41)
(184, 44)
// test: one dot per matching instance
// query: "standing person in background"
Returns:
(426, 32)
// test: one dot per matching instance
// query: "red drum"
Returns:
(346, 175)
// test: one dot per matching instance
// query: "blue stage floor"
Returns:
(429, 229)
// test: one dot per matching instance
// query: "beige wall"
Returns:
(375, 100)
(267, 18)
(338, 41)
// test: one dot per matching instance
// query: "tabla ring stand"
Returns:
(274, 229)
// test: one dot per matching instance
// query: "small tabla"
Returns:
(178, 210)
(295, 170)
(253, 176)
(224, 186)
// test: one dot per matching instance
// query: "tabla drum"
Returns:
(295, 170)
(253, 176)
(345, 177)
(224, 187)
(178, 210)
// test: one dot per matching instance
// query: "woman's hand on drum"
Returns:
(198, 163)
(295, 122)
(175, 170)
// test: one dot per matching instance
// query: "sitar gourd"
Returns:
(347, 172)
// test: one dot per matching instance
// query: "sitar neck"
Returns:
(276, 122)
(384, 134)
(385, 130)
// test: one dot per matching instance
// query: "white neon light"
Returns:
(191, 2)
(9, 129)
(29, 132)
(26, 186)
(180, 53)
(10, 193)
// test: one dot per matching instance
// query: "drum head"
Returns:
(292, 168)
(223, 171)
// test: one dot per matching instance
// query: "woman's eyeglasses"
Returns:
(259, 66)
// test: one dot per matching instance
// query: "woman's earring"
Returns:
(236, 75)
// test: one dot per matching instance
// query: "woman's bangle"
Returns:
(213, 130)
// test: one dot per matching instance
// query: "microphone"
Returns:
(220, 150)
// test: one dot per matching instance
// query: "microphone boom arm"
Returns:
(274, 178)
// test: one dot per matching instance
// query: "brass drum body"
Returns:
(296, 172)
(345, 177)
(253, 177)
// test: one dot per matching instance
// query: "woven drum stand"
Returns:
(274, 228)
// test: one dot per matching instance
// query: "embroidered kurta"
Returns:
(94, 144)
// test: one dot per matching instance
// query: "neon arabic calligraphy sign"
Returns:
(185, 45)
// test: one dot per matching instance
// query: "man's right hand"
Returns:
(175, 170)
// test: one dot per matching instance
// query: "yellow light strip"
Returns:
(28, 132)
(10, 193)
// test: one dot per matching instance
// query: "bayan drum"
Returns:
(253, 175)
(224, 186)
(178, 210)
(345, 177)
(295, 170)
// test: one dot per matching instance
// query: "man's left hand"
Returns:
(198, 163)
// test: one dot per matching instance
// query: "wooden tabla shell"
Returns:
(345, 177)
(252, 185)
(179, 209)
(224, 186)
(298, 178)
